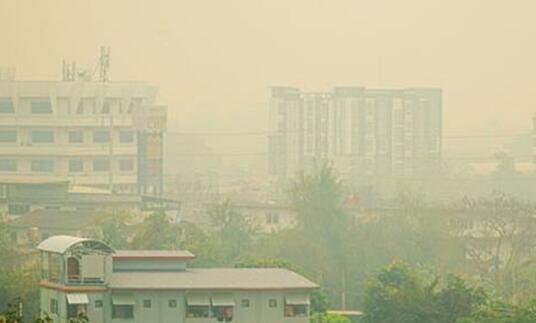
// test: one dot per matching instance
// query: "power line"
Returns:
(265, 133)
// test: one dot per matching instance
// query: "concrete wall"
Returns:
(160, 312)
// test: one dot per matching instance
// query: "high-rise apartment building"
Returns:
(99, 134)
(364, 132)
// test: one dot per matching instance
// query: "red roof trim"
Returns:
(119, 257)
(213, 289)
(70, 289)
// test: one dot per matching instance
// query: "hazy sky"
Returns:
(214, 60)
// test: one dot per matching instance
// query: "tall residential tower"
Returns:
(374, 133)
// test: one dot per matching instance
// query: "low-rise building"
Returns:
(85, 276)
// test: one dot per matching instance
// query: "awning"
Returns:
(123, 299)
(297, 299)
(197, 300)
(77, 299)
(223, 300)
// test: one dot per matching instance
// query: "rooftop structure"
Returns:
(87, 276)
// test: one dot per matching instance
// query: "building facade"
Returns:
(84, 276)
(100, 134)
(364, 132)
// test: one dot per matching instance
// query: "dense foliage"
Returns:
(489, 240)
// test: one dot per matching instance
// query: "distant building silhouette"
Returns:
(364, 132)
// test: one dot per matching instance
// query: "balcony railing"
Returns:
(78, 280)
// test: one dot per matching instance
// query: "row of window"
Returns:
(75, 165)
(225, 312)
(85, 106)
(74, 136)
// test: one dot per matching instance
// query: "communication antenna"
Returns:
(68, 71)
(104, 63)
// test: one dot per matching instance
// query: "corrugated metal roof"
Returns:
(177, 254)
(60, 244)
(213, 279)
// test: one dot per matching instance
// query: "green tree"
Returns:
(156, 232)
(114, 228)
(400, 294)
(499, 235)
(328, 318)
(323, 227)
(233, 231)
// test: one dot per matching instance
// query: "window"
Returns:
(76, 137)
(101, 136)
(272, 218)
(54, 267)
(73, 268)
(296, 306)
(172, 303)
(126, 165)
(17, 209)
(75, 310)
(272, 303)
(296, 310)
(8, 136)
(126, 136)
(41, 106)
(6, 106)
(42, 165)
(53, 306)
(223, 313)
(42, 136)
(147, 303)
(134, 105)
(99, 303)
(196, 311)
(123, 311)
(105, 108)
(8, 165)
(101, 165)
(76, 166)
(223, 307)
(80, 108)
(245, 302)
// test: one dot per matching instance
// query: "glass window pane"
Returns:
(126, 165)
(76, 165)
(6, 106)
(42, 136)
(8, 165)
(101, 136)
(8, 136)
(126, 136)
(76, 136)
(101, 165)
(41, 106)
(42, 165)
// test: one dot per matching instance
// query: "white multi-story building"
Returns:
(100, 134)
(365, 132)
